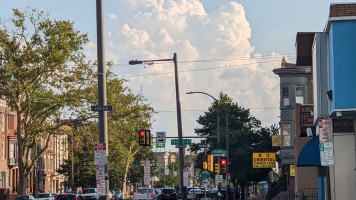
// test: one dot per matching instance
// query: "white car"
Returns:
(90, 194)
(44, 196)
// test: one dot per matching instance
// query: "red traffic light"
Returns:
(223, 162)
(142, 133)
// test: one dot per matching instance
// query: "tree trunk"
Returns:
(21, 189)
(126, 170)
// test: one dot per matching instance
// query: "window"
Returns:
(286, 134)
(3, 150)
(3, 180)
(11, 122)
(299, 95)
(13, 150)
(285, 95)
(3, 123)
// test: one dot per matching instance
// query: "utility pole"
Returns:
(103, 135)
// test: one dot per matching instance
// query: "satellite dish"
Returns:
(309, 132)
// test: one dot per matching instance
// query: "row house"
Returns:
(322, 134)
(44, 177)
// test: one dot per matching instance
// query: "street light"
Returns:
(218, 119)
(179, 117)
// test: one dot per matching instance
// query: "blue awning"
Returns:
(310, 154)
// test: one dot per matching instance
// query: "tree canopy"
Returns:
(246, 135)
(42, 71)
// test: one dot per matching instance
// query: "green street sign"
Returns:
(218, 151)
(185, 142)
(160, 145)
(135, 165)
(204, 174)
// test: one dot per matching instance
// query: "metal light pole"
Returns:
(218, 123)
(179, 116)
(103, 131)
(218, 119)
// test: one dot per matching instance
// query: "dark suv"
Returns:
(69, 197)
(169, 193)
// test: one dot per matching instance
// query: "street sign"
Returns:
(160, 145)
(160, 137)
(147, 172)
(204, 174)
(101, 160)
(99, 146)
(166, 171)
(218, 178)
(100, 185)
(101, 108)
(100, 172)
(325, 133)
(218, 151)
(204, 145)
(326, 153)
(185, 142)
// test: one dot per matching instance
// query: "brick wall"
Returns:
(342, 10)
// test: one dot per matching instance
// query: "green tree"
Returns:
(42, 71)
(130, 114)
(246, 136)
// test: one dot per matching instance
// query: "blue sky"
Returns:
(249, 37)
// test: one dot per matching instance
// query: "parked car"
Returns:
(158, 193)
(25, 197)
(169, 193)
(193, 192)
(69, 196)
(118, 195)
(90, 194)
(45, 196)
(54, 195)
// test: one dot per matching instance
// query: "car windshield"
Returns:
(65, 197)
(22, 198)
(86, 191)
(168, 191)
(42, 195)
(143, 190)
(194, 190)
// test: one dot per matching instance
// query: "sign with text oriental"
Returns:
(264, 160)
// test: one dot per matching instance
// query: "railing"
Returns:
(305, 194)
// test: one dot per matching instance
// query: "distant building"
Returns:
(164, 159)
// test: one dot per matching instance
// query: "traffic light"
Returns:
(144, 138)
(210, 163)
(128, 180)
(217, 168)
(223, 166)
(152, 163)
(204, 165)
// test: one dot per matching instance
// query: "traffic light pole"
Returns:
(227, 157)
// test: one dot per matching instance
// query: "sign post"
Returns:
(160, 139)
